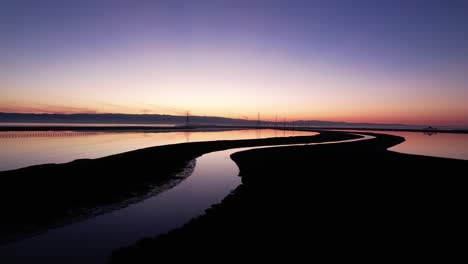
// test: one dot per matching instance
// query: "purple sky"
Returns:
(377, 61)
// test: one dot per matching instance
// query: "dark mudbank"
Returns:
(326, 203)
(35, 198)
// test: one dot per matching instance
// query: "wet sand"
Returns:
(328, 203)
(39, 197)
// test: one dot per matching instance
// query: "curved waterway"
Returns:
(444, 145)
(91, 241)
(25, 148)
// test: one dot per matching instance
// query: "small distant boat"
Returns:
(430, 130)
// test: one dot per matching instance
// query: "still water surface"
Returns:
(15, 124)
(21, 149)
(91, 241)
(215, 175)
(445, 145)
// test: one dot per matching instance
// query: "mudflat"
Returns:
(342, 202)
(36, 198)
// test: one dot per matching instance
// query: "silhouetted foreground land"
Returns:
(35, 198)
(327, 203)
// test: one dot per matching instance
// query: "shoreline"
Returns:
(29, 208)
(149, 129)
(82, 214)
(431, 131)
(293, 204)
(207, 128)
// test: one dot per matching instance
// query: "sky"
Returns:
(399, 61)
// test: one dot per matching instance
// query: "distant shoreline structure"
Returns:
(207, 128)
(172, 121)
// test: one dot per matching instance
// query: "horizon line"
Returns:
(239, 119)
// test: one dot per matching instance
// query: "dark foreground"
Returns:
(328, 203)
(36, 198)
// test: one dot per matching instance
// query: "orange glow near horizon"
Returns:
(441, 119)
(222, 85)
(301, 60)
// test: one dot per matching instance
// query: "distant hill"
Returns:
(119, 119)
(317, 123)
(170, 119)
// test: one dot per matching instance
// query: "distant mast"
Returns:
(258, 119)
(187, 118)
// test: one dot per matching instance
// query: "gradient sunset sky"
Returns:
(399, 61)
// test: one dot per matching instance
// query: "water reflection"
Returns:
(433, 144)
(187, 136)
(21, 149)
(25, 124)
(91, 241)
(429, 133)
(430, 143)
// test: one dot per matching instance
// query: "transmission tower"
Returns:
(258, 119)
(187, 118)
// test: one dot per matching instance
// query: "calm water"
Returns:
(438, 145)
(215, 175)
(445, 145)
(21, 149)
(3, 124)
(91, 241)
